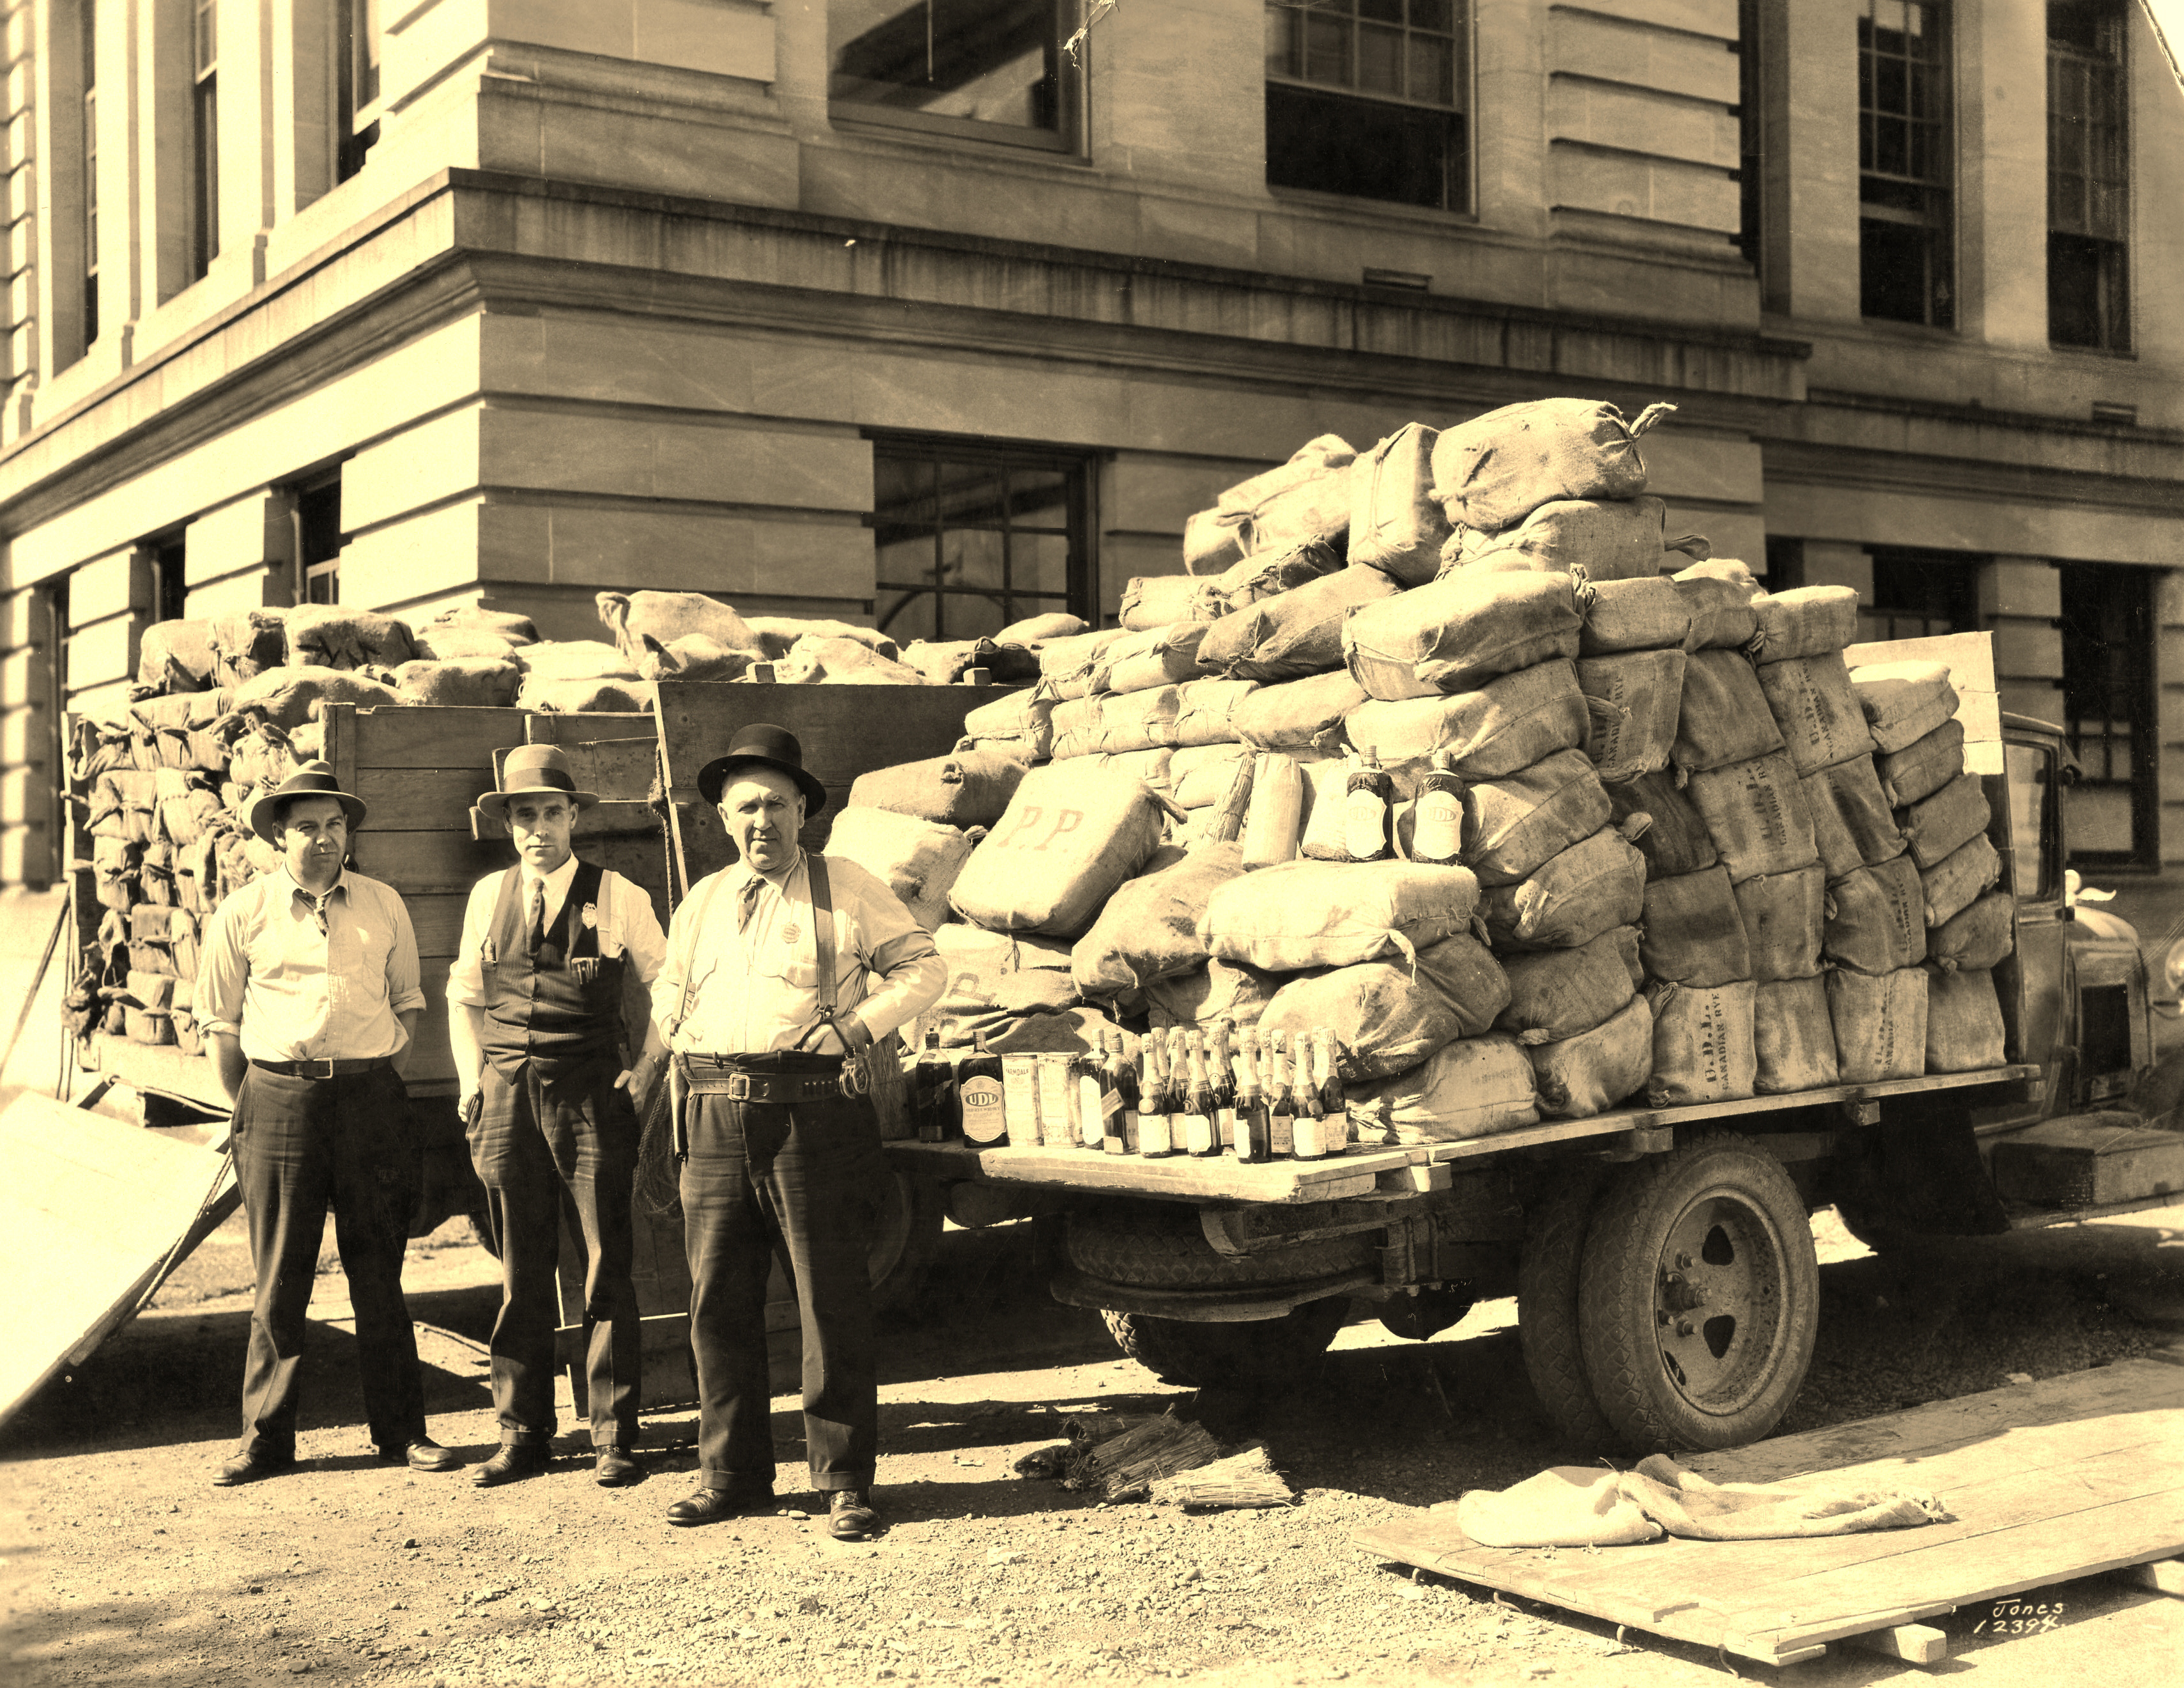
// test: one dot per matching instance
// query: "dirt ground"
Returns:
(122, 1565)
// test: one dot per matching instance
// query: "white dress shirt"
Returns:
(626, 926)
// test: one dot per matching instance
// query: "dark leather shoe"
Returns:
(422, 1455)
(514, 1461)
(849, 1515)
(250, 1466)
(711, 1505)
(617, 1467)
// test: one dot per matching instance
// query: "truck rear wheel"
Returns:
(1547, 1274)
(1257, 1355)
(1699, 1296)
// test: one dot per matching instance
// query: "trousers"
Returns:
(304, 1146)
(527, 1192)
(801, 1183)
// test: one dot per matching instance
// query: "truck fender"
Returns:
(1923, 1173)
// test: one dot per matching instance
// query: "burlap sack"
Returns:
(1155, 600)
(1653, 613)
(248, 643)
(1580, 1076)
(1387, 1016)
(1154, 767)
(995, 981)
(944, 661)
(1923, 766)
(1784, 915)
(336, 636)
(1877, 918)
(1302, 502)
(1274, 823)
(288, 698)
(694, 657)
(1220, 990)
(1702, 1044)
(1559, 993)
(1304, 915)
(1572, 897)
(1159, 656)
(1150, 927)
(1962, 875)
(1806, 621)
(1495, 470)
(573, 659)
(1694, 930)
(1295, 633)
(1512, 824)
(1724, 717)
(187, 729)
(1299, 715)
(1205, 711)
(670, 616)
(1637, 706)
(1904, 702)
(464, 625)
(1607, 539)
(1755, 812)
(585, 697)
(188, 805)
(1816, 711)
(1113, 722)
(1964, 1029)
(483, 682)
(1852, 824)
(1976, 938)
(1325, 836)
(1934, 827)
(1719, 604)
(1271, 574)
(967, 789)
(1395, 523)
(1674, 839)
(1036, 631)
(1793, 1042)
(1508, 724)
(916, 859)
(1211, 545)
(1069, 839)
(822, 659)
(1066, 665)
(1023, 719)
(779, 635)
(1879, 1023)
(176, 656)
(1473, 1088)
(1456, 632)
(1203, 775)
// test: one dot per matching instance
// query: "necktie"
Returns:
(744, 908)
(318, 908)
(535, 935)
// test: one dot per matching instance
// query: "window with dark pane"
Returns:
(2088, 176)
(989, 68)
(356, 87)
(204, 135)
(318, 510)
(969, 538)
(2107, 712)
(1919, 594)
(1906, 143)
(1365, 98)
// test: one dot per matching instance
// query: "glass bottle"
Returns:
(1090, 1074)
(1252, 1134)
(1196, 1096)
(1367, 808)
(1281, 1123)
(1118, 1097)
(1308, 1130)
(978, 1094)
(1326, 1076)
(1155, 1116)
(1437, 830)
(1223, 1076)
(933, 1091)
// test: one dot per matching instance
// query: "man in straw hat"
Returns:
(308, 986)
(781, 1158)
(535, 1016)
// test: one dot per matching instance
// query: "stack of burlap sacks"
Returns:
(1642, 901)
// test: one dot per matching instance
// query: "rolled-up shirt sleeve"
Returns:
(638, 928)
(222, 967)
(465, 974)
(405, 977)
(667, 984)
(906, 972)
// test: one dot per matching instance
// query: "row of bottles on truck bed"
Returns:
(1275, 1095)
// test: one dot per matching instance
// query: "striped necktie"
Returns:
(535, 934)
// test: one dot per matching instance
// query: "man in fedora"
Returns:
(780, 1158)
(308, 989)
(534, 1017)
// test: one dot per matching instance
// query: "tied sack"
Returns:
(1934, 827)
(1114, 722)
(779, 635)
(1724, 717)
(1654, 815)
(1211, 545)
(188, 805)
(1204, 775)
(1138, 661)
(1923, 766)
(1636, 701)
(692, 657)
(1395, 523)
(1220, 990)
(585, 697)
(1508, 724)
(1962, 874)
(916, 859)
(1977, 938)
(1805, 622)
(1694, 930)
(1880, 1022)
(1387, 1016)
(1205, 711)
(1816, 711)
(1755, 812)
(1271, 574)
(1149, 928)
(572, 659)
(1295, 633)
(1578, 1077)
(1274, 823)
(248, 643)
(1326, 835)
(1607, 539)
(994, 979)
(482, 682)
(1473, 1088)
(1495, 470)
(1718, 598)
(1702, 1043)
(1964, 1031)
(1066, 665)
(969, 788)
(1299, 715)
(1304, 915)
(1512, 825)
(1649, 614)
(176, 656)
(1069, 839)
(1876, 919)
(1784, 916)
(1300, 501)
(819, 659)
(1154, 767)
(1570, 898)
(330, 636)
(1559, 993)
(1021, 720)
(1793, 1042)
(1034, 631)
(1155, 601)
(1456, 632)
(1852, 824)
(1904, 702)
(666, 617)
(124, 804)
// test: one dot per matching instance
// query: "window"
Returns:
(989, 69)
(89, 39)
(1905, 148)
(317, 520)
(356, 87)
(971, 537)
(1919, 594)
(2088, 178)
(2107, 712)
(2030, 771)
(1364, 98)
(204, 135)
(170, 579)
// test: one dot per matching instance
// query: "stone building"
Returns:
(942, 311)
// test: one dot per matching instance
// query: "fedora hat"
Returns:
(765, 746)
(312, 780)
(540, 770)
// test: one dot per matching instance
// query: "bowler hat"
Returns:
(312, 780)
(536, 771)
(767, 745)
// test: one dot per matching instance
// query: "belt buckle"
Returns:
(739, 1087)
(313, 1065)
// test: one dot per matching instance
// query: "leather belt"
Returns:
(718, 1076)
(323, 1069)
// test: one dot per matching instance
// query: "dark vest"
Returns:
(562, 1010)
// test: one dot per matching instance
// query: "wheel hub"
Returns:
(1717, 1308)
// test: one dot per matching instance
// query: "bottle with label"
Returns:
(1326, 1076)
(1437, 823)
(933, 1091)
(1196, 1092)
(1252, 1118)
(1155, 1123)
(1308, 1129)
(1118, 1097)
(1223, 1076)
(1281, 1123)
(978, 1095)
(1369, 805)
(1090, 1069)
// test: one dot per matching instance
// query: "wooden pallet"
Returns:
(2048, 1481)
